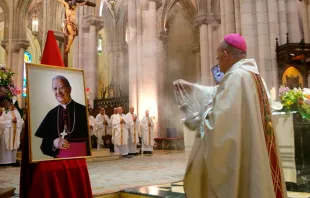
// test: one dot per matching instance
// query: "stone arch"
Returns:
(5, 11)
(21, 17)
(121, 22)
(109, 21)
(189, 9)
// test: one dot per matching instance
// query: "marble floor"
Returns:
(159, 173)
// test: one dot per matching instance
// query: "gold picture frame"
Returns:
(39, 75)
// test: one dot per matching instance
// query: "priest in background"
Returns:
(133, 136)
(11, 125)
(238, 157)
(92, 128)
(103, 126)
(147, 133)
(65, 126)
(120, 125)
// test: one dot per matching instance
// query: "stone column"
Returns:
(210, 47)
(139, 57)
(293, 22)
(132, 53)
(273, 20)
(92, 24)
(229, 17)
(263, 40)
(149, 71)
(201, 22)
(196, 51)
(16, 53)
(282, 21)
(305, 22)
(162, 81)
(216, 39)
(237, 16)
(223, 29)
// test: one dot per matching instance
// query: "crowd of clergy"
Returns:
(127, 131)
(11, 125)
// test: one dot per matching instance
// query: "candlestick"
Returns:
(273, 94)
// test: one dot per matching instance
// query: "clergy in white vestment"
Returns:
(120, 126)
(92, 124)
(103, 125)
(238, 156)
(111, 121)
(133, 136)
(147, 133)
(11, 125)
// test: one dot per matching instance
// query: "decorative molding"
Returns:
(144, 4)
(204, 18)
(163, 36)
(116, 48)
(92, 20)
(196, 49)
(59, 35)
(215, 25)
(16, 45)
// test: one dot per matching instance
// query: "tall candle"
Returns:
(273, 94)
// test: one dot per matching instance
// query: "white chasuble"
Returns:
(120, 130)
(92, 124)
(134, 128)
(102, 129)
(12, 133)
(147, 132)
(232, 160)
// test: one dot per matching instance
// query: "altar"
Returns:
(293, 140)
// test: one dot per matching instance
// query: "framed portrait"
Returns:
(57, 113)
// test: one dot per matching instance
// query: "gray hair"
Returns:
(63, 79)
(235, 52)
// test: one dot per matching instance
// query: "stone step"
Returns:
(6, 192)
(97, 156)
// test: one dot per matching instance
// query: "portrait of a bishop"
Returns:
(64, 130)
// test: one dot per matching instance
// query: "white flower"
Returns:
(306, 91)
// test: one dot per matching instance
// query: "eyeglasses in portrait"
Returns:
(57, 112)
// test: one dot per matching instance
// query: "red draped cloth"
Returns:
(51, 179)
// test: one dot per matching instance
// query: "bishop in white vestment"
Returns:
(120, 126)
(147, 133)
(103, 125)
(133, 136)
(11, 125)
(238, 157)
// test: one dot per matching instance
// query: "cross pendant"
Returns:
(63, 134)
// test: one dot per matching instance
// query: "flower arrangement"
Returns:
(6, 81)
(296, 100)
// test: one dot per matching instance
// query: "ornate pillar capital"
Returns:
(59, 35)
(215, 25)
(144, 4)
(196, 49)
(92, 20)
(16, 45)
(116, 47)
(204, 18)
(163, 36)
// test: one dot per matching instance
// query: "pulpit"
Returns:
(293, 63)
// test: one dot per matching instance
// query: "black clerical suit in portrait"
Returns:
(73, 116)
